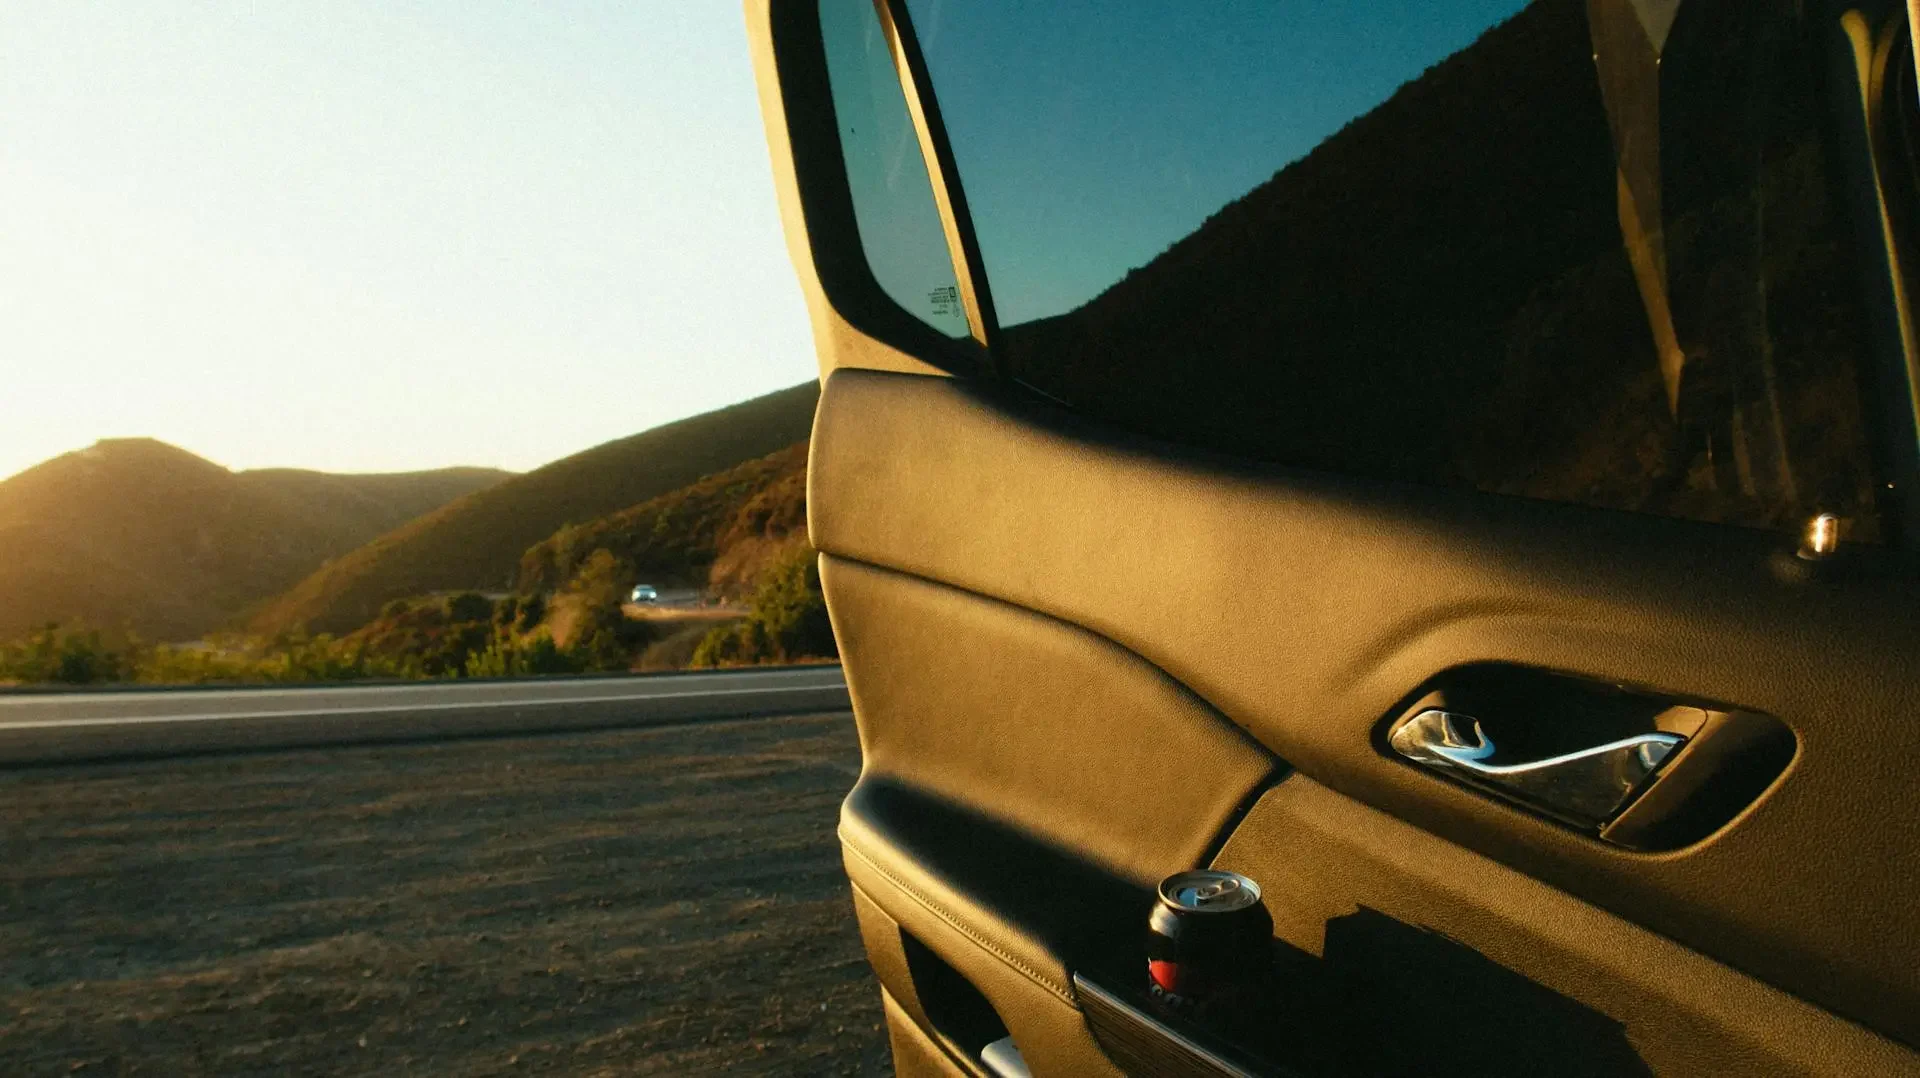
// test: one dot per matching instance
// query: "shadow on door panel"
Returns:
(1387, 997)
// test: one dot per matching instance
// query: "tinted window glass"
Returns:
(1585, 250)
(892, 197)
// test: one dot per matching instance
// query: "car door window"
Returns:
(1580, 250)
(893, 203)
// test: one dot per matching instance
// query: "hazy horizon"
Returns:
(381, 238)
(267, 467)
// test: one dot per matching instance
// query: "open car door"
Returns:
(1449, 463)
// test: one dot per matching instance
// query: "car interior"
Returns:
(1449, 464)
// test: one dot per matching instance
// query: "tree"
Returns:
(469, 606)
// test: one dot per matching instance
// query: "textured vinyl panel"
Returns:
(1412, 955)
(915, 1055)
(1024, 784)
(1045, 727)
(1305, 607)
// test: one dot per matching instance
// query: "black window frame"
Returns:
(826, 203)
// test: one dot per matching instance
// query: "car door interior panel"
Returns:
(1414, 528)
(1378, 909)
(1039, 686)
(1065, 665)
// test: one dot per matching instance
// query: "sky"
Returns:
(1136, 121)
(382, 235)
(894, 210)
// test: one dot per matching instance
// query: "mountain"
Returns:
(477, 541)
(137, 533)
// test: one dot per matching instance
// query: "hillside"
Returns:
(139, 534)
(1371, 276)
(712, 533)
(477, 541)
(1442, 291)
(370, 505)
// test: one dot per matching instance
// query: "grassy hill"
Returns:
(141, 534)
(370, 505)
(477, 542)
(714, 534)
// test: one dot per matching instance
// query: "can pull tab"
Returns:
(1217, 891)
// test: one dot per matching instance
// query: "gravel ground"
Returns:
(664, 901)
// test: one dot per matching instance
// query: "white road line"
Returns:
(397, 709)
(348, 688)
(546, 690)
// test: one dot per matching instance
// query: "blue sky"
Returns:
(382, 234)
(1091, 135)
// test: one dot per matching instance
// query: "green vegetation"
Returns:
(786, 622)
(454, 637)
(680, 537)
(590, 614)
(465, 635)
(77, 655)
(583, 627)
(737, 535)
(478, 541)
(55, 655)
(286, 661)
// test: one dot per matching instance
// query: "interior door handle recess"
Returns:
(1586, 788)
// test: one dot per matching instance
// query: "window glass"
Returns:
(892, 198)
(1585, 250)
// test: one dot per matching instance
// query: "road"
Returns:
(657, 901)
(68, 727)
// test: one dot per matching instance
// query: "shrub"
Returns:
(290, 659)
(543, 656)
(603, 650)
(604, 638)
(787, 619)
(533, 610)
(60, 655)
(322, 659)
(470, 606)
(536, 656)
(732, 645)
(675, 651)
(604, 581)
(498, 660)
(792, 611)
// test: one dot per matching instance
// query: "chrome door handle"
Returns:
(1586, 788)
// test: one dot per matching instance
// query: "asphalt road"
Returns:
(663, 901)
(71, 727)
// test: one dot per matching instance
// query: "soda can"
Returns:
(1209, 940)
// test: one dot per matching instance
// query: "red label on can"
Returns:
(1165, 974)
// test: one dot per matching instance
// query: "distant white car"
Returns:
(644, 593)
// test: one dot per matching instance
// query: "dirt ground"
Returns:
(665, 901)
(682, 615)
